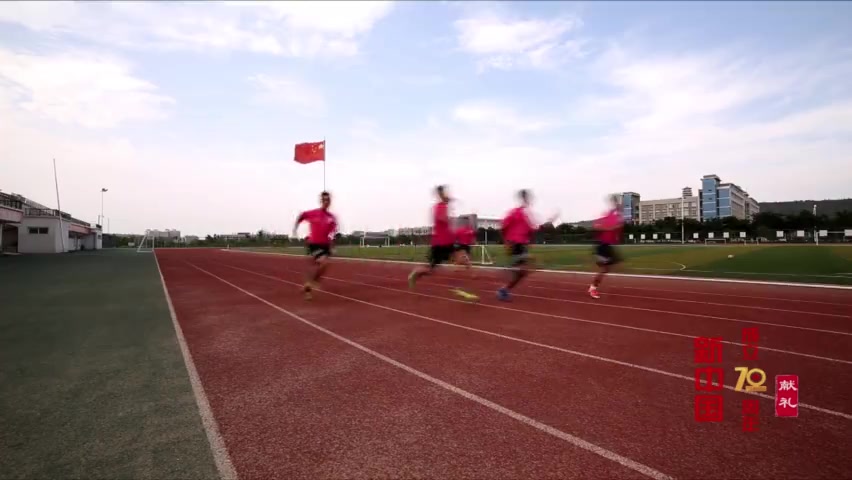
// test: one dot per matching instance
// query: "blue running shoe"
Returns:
(503, 295)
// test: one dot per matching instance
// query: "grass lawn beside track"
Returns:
(94, 384)
(827, 263)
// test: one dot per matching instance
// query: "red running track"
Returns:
(370, 380)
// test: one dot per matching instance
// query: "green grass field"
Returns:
(830, 264)
(94, 385)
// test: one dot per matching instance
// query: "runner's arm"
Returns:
(504, 227)
(299, 220)
(334, 229)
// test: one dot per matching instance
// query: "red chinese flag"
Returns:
(310, 152)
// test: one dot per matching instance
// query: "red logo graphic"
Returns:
(787, 396)
(708, 350)
(751, 414)
(714, 376)
(708, 408)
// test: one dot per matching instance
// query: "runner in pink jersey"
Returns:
(518, 231)
(465, 237)
(608, 228)
(443, 242)
(323, 226)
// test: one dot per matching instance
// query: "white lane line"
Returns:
(777, 274)
(730, 305)
(211, 428)
(617, 325)
(680, 313)
(693, 292)
(521, 340)
(635, 288)
(576, 441)
(803, 312)
(577, 272)
(597, 322)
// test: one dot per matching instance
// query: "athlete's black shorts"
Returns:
(439, 254)
(463, 248)
(318, 251)
(520, 254)
(607, 255)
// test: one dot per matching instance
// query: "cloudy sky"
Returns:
(188, 113)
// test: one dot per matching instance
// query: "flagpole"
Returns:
(324, 158)
(58, 206)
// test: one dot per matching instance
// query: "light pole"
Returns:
(101, 222)
(816, 233)
(682, 221)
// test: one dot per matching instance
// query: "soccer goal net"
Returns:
(479, 255)
(375, 241)
(713, 241)
(146, 245)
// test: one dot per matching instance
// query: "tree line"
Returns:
(764, 224)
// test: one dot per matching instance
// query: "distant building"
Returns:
(27, 226)
(481, 222)
(686, 207)
(478, 221)
(168, 234)
(414, 231)
(752, 207)
(233, 236)
(715, 200)
(630, 207)
(719, 200)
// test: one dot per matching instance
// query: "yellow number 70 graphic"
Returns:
(745, 376)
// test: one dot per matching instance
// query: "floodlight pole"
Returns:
(682, 220)
(816, 232)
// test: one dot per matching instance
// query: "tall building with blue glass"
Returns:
(630, 206)
(719, 200)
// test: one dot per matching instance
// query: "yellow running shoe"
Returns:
(465, 295)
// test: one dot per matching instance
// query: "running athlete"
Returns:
(323, 227)
(443, 242)
(518, 230)
(465, 237)
(608, 230)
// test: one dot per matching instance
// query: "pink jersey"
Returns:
(323, 225)
(517, 227)
(442, 235)
(611, 220)
(465, 236)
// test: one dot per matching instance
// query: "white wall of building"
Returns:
(168, 233)
(652, 210)
(92, 241)
(50, 242)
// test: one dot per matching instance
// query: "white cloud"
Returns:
(424, 80)
(296, 29)
(81, 88)
(503, 43)
(289, 92)
(492, 115)
(344, 18)
(667, 119)
(673, 118)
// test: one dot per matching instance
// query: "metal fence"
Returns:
(50, 212)
(759, 236)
